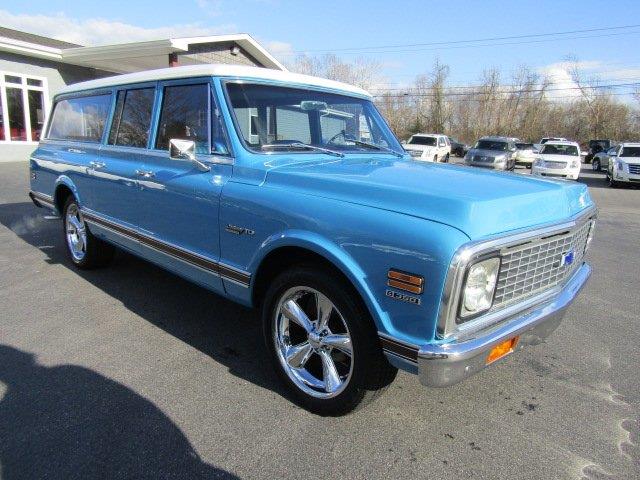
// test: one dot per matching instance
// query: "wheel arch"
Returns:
(64, 187)
(301, 247)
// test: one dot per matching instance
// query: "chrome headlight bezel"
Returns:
(491, 264)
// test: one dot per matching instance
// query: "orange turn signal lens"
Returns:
(501, 350)
(405, 281)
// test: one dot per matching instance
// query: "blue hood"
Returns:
(475, 201)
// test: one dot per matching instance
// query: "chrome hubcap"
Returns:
(76, 233)
(313, 342)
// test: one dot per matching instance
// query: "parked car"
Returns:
(429, 147)
(595, 147)
(525, 154)
(458, 148)
(558, 159)
(492, 152)
(290, 194)
(624, 165)
(544, 140)
(600, 161)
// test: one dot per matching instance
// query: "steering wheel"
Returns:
(341, 133)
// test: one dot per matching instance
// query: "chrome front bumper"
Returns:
(441, 365)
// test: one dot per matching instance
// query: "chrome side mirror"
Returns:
(186, 150)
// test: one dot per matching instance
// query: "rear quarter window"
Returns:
(80, 119)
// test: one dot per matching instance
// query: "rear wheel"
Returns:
(446, 158)
(84, 250)
(322, 342)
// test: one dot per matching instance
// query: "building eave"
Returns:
(30, 49)
(136, 56)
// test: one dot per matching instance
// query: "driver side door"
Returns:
(179, 202)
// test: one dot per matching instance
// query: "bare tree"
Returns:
(362, 72)
(521, 107)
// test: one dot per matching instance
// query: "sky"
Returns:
(405, 38)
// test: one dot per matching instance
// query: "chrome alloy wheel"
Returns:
(313, 342)
(76, 231)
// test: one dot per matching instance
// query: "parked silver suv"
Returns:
(497, 153)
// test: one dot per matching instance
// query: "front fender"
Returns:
(361, 241)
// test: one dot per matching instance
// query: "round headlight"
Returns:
(477, 294)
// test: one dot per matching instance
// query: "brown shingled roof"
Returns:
(37, 39)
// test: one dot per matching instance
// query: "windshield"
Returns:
(524, 146)
(630, 152)
(492, 145)
(555, 149)
(415, 140)
(271, 118)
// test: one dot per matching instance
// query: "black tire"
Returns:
(595, 165)
(612, 183)
(435, 159)
(371, 373)
(446, 158)
(97, 253)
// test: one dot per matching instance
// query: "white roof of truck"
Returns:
(215, 70)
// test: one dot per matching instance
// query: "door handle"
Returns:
(145, 173)
(97, 165)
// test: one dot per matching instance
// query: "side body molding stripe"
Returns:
(42, 198)
(217, 268)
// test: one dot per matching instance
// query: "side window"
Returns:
(185, 115)
(219, 137)
(132, 118)
(80, 119)
(441, 142)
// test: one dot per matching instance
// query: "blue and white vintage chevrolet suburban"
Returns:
(290, 193)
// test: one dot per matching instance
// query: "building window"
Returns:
(24, 103)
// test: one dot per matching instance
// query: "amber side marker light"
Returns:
(501, 350)
(405, 281)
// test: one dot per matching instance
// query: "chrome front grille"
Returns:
(551, 164)
(634, 169)
(415, 153)
(527, 270)
(482, 159)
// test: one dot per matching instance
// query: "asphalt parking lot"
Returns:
(131, 372)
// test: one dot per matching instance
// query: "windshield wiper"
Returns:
(300, 146)
(373, 146)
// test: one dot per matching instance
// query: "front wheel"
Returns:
(595, 165)
(85, 250)
(322, 342)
